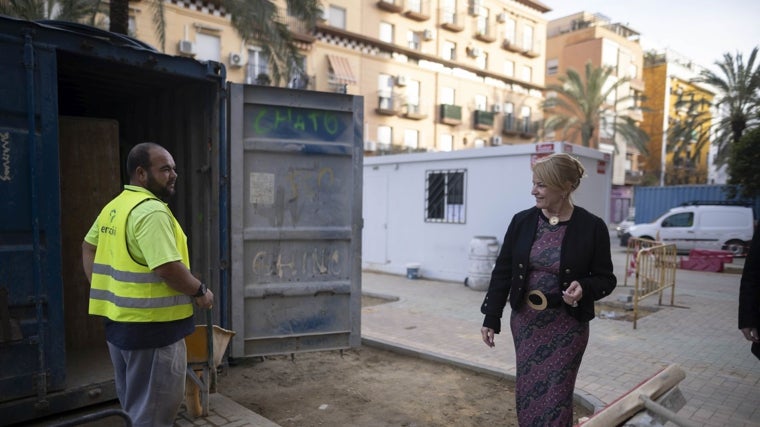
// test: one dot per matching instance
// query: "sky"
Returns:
(701, 30)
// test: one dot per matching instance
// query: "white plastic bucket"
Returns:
(483, 253)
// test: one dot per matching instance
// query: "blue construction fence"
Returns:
(651, 202)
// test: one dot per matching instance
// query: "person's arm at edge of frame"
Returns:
(749, 292)
(88, 259)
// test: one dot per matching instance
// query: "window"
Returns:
(525, 118)
(449, 50)
(509, 68)
(481, 102)
(610, 55)
(446, 142)
(552, 66)
(208, 47)
(527, 73)
(411, 138)
(414, 5)
(413, 96)
(481, 22)
(385, 135)
(448, 11)
(336, 17)
(527, 39)
(413, 40)
(509, 115)
(482, 61)
(386, 32)
(257, 68)
(684, 219)
(445, 196)
(447, 95)
(509, 30)
(385, 91)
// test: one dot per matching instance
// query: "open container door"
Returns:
(295, 197)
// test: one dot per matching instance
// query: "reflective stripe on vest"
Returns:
(122, 289)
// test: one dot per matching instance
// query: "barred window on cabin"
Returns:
(445, 196)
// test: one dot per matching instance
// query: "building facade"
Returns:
(436, 75)
(678, 115)
(583, 37)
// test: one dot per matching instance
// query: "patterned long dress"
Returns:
(549, 344)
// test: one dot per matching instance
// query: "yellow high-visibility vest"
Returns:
(122, 289)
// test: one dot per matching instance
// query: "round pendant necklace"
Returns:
(554, 220)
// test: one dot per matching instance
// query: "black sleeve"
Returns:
(749, 288)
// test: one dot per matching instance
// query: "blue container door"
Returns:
(31, 310)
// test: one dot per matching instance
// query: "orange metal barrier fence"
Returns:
(655, 270)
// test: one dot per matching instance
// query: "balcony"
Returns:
(509, 126)
(414, 112)
(451, 21)
(485, 34)
(387, 104)
(637, 84)
(417, 10)
(299, 30)
(483, 120)
(510, 46)
(528, 129)
(395, 6)
(450, 114)
(633, 177)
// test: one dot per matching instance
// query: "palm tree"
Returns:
(70, 10)
(688, 135)
(254, 20)
(739, 97)
(582, 107)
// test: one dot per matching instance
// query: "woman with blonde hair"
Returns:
(554, 263)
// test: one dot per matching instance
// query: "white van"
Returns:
(700, 225)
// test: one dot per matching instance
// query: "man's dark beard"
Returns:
(162, 192)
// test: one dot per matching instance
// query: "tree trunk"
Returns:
(119, 16)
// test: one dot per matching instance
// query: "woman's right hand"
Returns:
(488, 335)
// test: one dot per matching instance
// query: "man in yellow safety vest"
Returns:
(136, 259)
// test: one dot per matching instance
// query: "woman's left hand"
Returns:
(573, 294)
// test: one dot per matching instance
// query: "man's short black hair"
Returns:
(139, 156)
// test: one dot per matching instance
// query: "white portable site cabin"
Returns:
(425, 208)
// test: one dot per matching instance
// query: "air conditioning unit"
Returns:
(474, 52)
(186, 47)
(427, 35)
(496, 140)
(370, 146)
(400, 80)
(502, 17)
(236, 60)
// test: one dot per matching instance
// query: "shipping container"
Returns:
(651, 202)
(269, 194)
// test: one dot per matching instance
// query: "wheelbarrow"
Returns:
(205, 349)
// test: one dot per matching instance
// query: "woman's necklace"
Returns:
(554, 219)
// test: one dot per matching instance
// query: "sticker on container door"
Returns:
(262, 188)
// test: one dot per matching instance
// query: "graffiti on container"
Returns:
(5, 147)
(300, 178)
(284, 122)
(309, 263)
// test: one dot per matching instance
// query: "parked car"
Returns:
(623, 225)
(701, 225)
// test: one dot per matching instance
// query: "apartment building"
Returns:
(583, 37)
(436, 75)
(674, 101)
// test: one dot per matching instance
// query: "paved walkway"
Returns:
(441, 321)
(722, 384)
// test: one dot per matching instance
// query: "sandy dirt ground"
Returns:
(369, 387)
